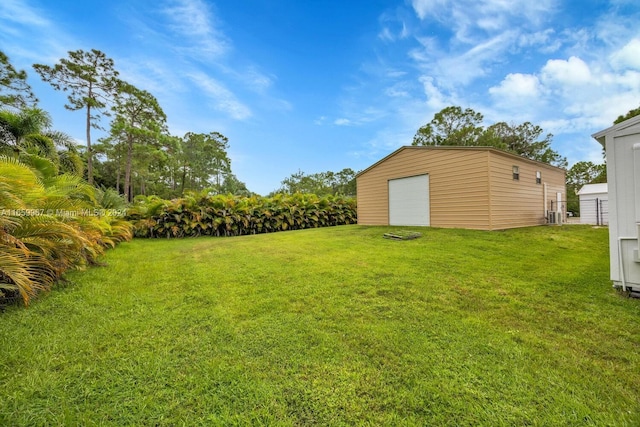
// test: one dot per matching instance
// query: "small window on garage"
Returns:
(516, 173)
(538, 177)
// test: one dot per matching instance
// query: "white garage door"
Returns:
(409, 201)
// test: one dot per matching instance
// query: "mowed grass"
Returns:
(333, 326)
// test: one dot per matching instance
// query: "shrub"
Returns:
(199, 214)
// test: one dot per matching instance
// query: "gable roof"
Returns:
(593, 189)
(452, 147)
(619, 129)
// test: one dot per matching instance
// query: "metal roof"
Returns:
(593, 189)
(454, 147)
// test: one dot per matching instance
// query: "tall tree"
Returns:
(91, 80)
(172, 168)
(523, 140)
(204, 160)
(321, 184)
(138, 121)
(15, 92)
(299, 182)
(451, 126)
(232, 185)
(580, 174)
(109, 165)
(458, 127)
(586, 172)
(345, 183)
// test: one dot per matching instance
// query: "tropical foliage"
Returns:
(28, 132)
(200, 214)
(49, 223)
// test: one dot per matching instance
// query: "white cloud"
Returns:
(467, 16)
(516, 86)
(547, 41)
(436, 100)
(28, 35)
(342, 122)
(577, 97)
(257, 81)
(386, 35)
(571, 72)
(628, 56)
(193, 21)
(383, 142)
(397, 91)
(361, 116)
(18, 11)
(394, 74)
(389, 35)
(150, 74)
(424, 8)
(222, 98)
(427, 51)
(453, 70)
(393, 24)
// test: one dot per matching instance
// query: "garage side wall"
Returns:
(521, 203)
(594, 208)
(458, 181)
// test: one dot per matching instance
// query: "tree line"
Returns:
(137, 156)
(342, 183)
(454, 126)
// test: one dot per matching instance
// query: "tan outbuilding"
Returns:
(460, 187)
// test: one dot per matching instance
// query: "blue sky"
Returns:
(325, 85)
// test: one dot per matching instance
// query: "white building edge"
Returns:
(622, 145)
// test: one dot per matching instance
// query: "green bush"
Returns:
(203, 215)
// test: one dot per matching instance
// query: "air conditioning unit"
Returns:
(554, 217)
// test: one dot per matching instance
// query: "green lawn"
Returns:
(333, 326)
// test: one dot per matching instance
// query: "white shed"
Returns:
(594, 204)
(622, 145)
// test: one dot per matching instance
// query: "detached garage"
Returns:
(463, 187)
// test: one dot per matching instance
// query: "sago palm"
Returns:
(41, 232)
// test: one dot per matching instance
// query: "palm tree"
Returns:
(18, 125)
(41, 233)
(28, 133)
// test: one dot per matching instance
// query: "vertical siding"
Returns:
(520, 203)
(459, 186)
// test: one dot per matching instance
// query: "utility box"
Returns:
(622, 146)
